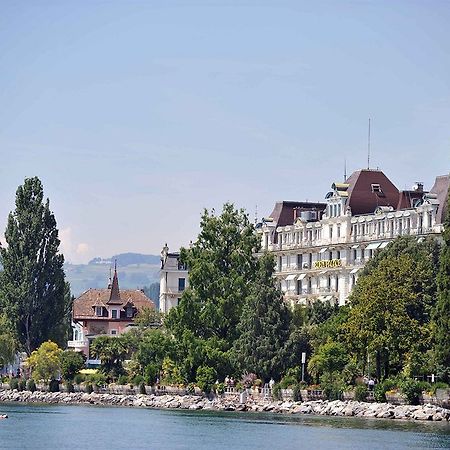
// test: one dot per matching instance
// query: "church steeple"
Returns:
(114, 296)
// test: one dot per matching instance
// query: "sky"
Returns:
(137, 115)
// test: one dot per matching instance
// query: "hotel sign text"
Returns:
(326, 264)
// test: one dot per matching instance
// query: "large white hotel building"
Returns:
(320, 247)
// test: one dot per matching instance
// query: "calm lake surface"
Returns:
(82, 427)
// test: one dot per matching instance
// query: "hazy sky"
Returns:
(138, 114)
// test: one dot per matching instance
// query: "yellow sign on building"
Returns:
(327, 264)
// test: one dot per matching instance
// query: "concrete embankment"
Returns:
(194, 402)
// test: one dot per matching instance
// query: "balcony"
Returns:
(77, 344)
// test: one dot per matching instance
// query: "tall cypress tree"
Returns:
(442, 311)
(33, 293)
(264, 325)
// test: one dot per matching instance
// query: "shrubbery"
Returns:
(206, 377)
(53, 386)
(14, 383)
(31, 385)
(361, 392)
(380, 389)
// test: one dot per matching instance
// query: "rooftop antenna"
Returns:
(345, 170)
(256, 214)
(368, 148)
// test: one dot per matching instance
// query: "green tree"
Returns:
(329, 359)
(392, 303)
(111, 351)
(45, 362)
(442, 311)
(154, 346)
(8, 343)
(33, 292)
(148, 318)
(221, 267)
(71, 363)
(264, 325)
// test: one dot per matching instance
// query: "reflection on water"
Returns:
(67, 427)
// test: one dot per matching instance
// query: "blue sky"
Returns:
(138, 114)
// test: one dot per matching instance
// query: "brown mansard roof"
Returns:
(83, 305)
(283, 212)
(440, 188)
(362, 199)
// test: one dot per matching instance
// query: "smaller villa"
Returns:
(100, 312)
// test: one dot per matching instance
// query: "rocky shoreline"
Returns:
(348, 408)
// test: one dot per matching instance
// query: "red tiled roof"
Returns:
(83, 305)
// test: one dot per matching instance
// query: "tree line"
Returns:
(232, 319)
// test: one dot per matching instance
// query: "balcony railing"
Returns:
(77, 343)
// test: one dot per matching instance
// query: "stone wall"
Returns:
(227, 403)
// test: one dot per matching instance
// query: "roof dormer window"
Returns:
(376, 189)
(99, 311)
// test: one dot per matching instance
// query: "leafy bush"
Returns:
(288, 381)
(380, 389)
(31, 385)
(219, 388)
(53, 386)
(190, 388)
(411, 389)
(69, 387)
(151, 373)
(22, 384)
(122, 380)
(99, 378)
(333, 391)
(71, 363)
(361, 392)
(424, 386)
(438, 385)
(137, 380)
(78, 378)
(206, 377)
(296, 392)
(14, 383)
(295, 372)
(89, 388)
(276, 391)
(142, 388)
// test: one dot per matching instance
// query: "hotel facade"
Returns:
(320, 248)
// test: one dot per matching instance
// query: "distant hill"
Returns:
(135, 271)
(126, 259)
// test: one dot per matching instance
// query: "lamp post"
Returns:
(303, 366)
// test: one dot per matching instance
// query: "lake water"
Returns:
(82, 427)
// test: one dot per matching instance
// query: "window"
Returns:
(113, 332)
(338, 254)
(129, 312)
(376, 189)
(114, 313)
(338, 231)
(181, 284)
(331, 231)
(99, 311)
